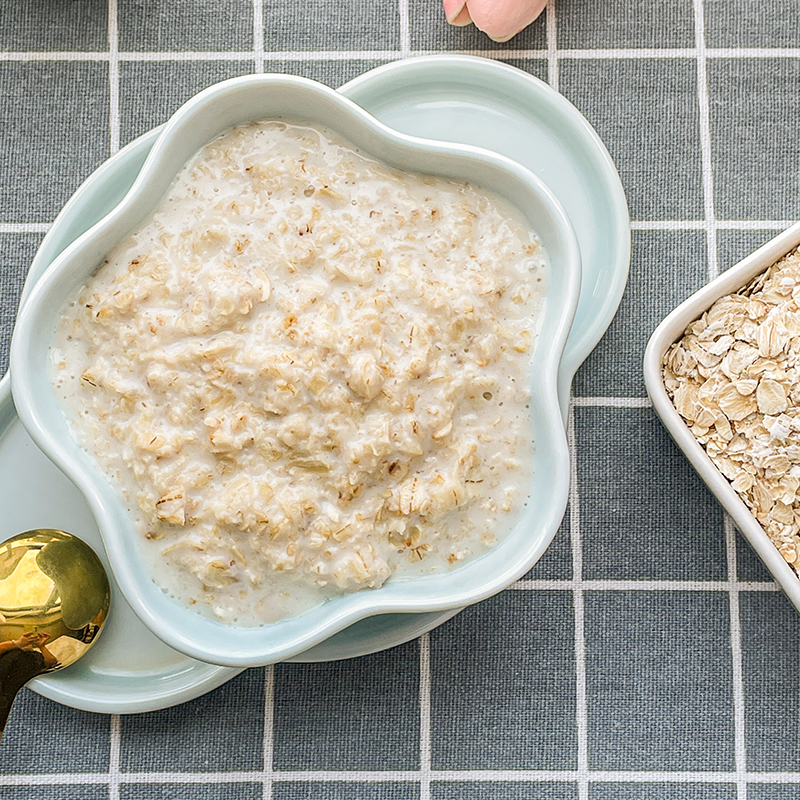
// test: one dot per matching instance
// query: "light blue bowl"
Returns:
(202, 119)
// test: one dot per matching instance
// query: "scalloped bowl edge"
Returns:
(200, 120)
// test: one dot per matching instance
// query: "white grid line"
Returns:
(405, 51)
(405, 28)
(705, 139)
(740, 758)
(754, 224)
(669, 225)
(643, 585)
(410, 776)
(629, 53)
(425, 717)
(258, 35)
(552, 44)
(612, 402)
(113, 77)
(52, 56)
(113, 757)
(190, 55)
(581, 709)
(753, 52)
(740, 748)
(497, 55)
(269, 731)
(701, 225)
(25, 227)
(267, 55)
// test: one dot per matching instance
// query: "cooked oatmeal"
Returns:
(735, 378)
(307, 372)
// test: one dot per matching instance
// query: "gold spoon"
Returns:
(54, 599)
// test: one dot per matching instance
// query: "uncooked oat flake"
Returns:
(735, 379)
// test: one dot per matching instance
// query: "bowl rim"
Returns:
(669, 331)
(96, 491)
(557, 105)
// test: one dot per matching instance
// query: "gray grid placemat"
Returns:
(648, 655)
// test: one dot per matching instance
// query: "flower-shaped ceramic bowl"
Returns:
(201, 120)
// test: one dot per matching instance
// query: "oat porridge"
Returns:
(735, 379)
(307, 372)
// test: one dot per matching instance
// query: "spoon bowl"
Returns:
(54, 600)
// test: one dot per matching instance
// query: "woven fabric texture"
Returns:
(648, 655)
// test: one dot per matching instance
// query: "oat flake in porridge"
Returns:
(307, 372)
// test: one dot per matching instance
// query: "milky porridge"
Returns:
(307, 372)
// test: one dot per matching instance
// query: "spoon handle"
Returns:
(17, 667)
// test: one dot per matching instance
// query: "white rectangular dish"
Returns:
(669, 331)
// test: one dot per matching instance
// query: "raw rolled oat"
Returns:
(734, 377)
